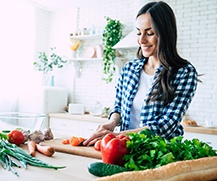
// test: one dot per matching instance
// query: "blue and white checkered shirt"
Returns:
(164, 120)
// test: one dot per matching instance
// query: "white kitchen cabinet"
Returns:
(62, 127)
(207, 138)
(44, 99)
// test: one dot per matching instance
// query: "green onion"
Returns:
(8, 150)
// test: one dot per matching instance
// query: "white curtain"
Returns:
(17, 34)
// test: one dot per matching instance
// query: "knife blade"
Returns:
(81, 143)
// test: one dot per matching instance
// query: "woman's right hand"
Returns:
(100, 132)
(103, 129)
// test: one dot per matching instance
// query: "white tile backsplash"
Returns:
(197, 37)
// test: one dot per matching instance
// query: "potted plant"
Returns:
(46, 64)
(111, 36)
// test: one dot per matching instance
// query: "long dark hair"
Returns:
(164, 24)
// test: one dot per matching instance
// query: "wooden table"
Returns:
(76, 169)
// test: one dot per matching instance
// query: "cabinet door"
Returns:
(88, 128)
(67, 127)
(207, 138)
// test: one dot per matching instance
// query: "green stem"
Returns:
(8, 150)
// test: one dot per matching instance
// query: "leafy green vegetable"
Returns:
(151, 151)
(8, 150)
(4, 136)
(5, 131)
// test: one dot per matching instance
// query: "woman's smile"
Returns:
(146, 47)
(146, 37)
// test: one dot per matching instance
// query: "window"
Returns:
(17, 37)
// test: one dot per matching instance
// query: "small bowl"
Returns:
(21, 120)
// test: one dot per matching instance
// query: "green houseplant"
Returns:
(46, 64)
(111, 36)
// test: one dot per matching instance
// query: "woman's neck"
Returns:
(151, 65)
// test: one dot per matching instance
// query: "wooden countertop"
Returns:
(201, 130)
(87, 117)
(84, 117)
(76, 169)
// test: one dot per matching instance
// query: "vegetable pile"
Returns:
(19, 136)
(151, 151)
(145, 150)
(10, 152)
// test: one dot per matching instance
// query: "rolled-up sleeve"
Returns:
(118, 98)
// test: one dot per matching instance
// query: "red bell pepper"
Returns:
(113, 149)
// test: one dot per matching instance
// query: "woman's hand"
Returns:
(100, 132)
(103, 129)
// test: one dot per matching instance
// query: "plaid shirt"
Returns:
(162, 119)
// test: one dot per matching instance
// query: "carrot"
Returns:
(66, 141)
(76, 140)
(45, 150)
(31, 147)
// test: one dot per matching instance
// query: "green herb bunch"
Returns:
(111, 36)
(150, 151)
(45, 64)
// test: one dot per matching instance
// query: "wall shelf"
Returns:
(77, 63)
(86, 37)
(85, 59)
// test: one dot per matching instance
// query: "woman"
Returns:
(155, 90)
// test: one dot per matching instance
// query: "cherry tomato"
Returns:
(97, 145)
(16, 137)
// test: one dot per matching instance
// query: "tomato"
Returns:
(97, 145)
(16, 137)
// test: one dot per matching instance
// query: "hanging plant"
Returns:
(111, 36)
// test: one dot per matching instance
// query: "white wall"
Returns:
(17, 48)
(89, 87)
(197, 37)
(197, 28)
(62, 24)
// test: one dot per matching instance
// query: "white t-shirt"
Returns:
(145, 83)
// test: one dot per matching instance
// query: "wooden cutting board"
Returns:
(87, 151)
